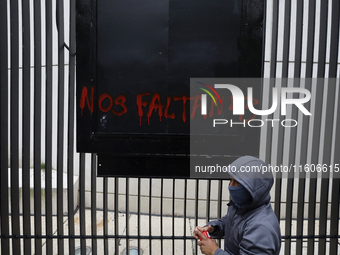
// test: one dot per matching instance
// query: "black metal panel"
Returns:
(160, 165)
(85, 27)
(155, 165)
(147, 58)
(143, 166)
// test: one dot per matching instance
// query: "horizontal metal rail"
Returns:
(148, 237)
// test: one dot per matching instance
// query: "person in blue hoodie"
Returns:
(250, 226)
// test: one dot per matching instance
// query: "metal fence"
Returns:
(305, 44)
(48, 190)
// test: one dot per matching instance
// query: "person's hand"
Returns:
(208, 228)
(208, 246)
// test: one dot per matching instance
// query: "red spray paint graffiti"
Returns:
(107, 103)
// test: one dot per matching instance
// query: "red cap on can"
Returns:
(206, 234)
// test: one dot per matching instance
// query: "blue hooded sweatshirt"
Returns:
(254, 228)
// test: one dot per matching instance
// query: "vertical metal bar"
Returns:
(4, 128)
(327, 150)
(333, 66)
(71, 122)
(150, 212)
(317, 116)
(185, 216)
(333, 249)
(15, 126)
(264, 25)
(196, 208)
(310, 38)
(219, 203)
(127, 211)
(278, 183)
(161, 216)
(313, 178)
(116, 215)
(290, 187)
(298, 37)
(333, 58)
(48, 132)
(60, 132)
(323, 38)
(26, 131)
(37, 127)
(286, 39)
(279, 160)
(329, 123)
(273, 61)
(305, 123)
(293, 139)
(82, 203)
(317, 124)
(105, 227)
(173, 215)
(300, 212)
(302, 176)
(208, 200)
(139, 221)
(292, 145)
(94, 203)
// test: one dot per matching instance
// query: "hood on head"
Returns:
(250, 173)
